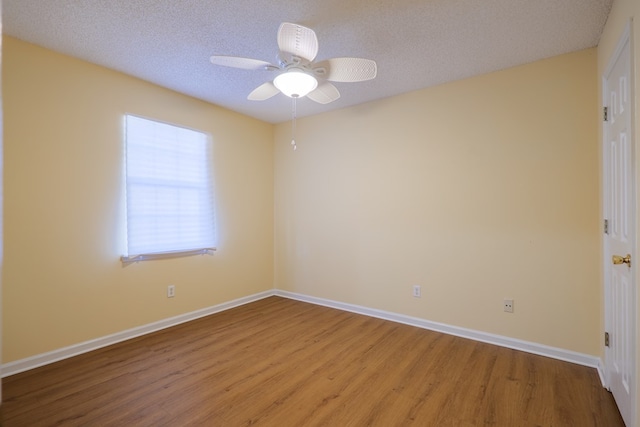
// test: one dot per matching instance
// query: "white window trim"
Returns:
(132, 259)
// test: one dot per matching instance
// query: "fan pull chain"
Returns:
(293, 123)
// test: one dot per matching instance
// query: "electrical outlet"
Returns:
(171, 291)
(508, 305)
(417, 291)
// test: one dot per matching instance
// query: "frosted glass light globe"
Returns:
(295, 83)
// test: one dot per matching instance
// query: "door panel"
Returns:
(620, 204)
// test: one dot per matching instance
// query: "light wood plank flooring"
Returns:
(278, 362)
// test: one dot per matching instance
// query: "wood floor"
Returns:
(278, 362)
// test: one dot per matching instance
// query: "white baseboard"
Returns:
(33, 362)
(36, 361)
(601, 374)
(516, 344)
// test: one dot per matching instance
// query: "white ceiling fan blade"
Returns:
(324, 94)
(262, 92)
(298, 40)
(239, 62)
(347, 69)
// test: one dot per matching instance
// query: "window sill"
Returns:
(126, 260)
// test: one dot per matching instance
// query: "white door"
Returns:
(619, 243)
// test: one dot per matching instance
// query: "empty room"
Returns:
(299, 213)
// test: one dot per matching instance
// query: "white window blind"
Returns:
(169, 191)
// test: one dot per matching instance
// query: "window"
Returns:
(169, 191)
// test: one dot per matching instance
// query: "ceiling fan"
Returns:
(298, 75)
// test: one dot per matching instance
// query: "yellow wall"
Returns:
(476, 190)
(63, 282)
(621, 14)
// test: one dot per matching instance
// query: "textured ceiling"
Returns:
(416, 43)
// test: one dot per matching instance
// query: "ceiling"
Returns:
(416, 43)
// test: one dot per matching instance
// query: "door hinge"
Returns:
(606, 226)
(605, 114)
(606, 339)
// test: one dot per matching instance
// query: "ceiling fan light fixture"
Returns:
(295, 83)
